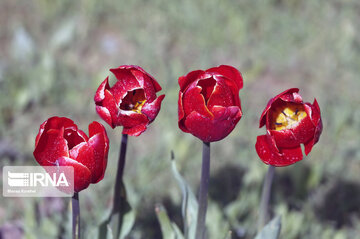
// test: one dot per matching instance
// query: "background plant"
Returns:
(56, 53)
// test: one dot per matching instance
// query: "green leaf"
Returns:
(271, 230)
(228, 235)
(120, 220)
(109, 233)
(169, 229)
(189, 203)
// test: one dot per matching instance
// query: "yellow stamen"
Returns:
(138, 106)
(286, 116)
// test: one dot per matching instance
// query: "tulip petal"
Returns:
(82, 174)
(84, 154)
(41, 130)
(181, 113)
(230, 73)
(154, 82)
(316, 120)
(221, 95)
(291, 95)
(213, 129)
(266, 149)
(194, 101)
(135, 131)
(125, 82)
(111, 107)
(100, 92)
(51, 145)
(105, 115)
(152, 109)
(287, 96)
(74, 137)
(185, 81)
(60, 122)
(100, 143)
(147, 84)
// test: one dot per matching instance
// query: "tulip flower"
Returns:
(209, 108)
(131, 102)
(209, 103)
(60, 142)
(289, 123)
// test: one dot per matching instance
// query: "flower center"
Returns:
(286, 116)
(133, 101)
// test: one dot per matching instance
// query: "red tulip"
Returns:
(131, 102)
(60, 142)
(289, 123)
(209, 103)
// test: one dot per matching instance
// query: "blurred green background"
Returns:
(54, 54)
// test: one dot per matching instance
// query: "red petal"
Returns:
(100, 92)
(148, 83)
(130, 119)
(125, 82)
(154, 82)
(316, 120)
(74, 137)
(105, 115)
(181, 113)
(110, 104)
(82, 174)
(51, 145)
(267, 152)
(135, 131)
(285, 138)
(221, 95)
(213, 129)
(152, 109)
(41, 130)
(289, 95)
(100, 143)
(194, 101)
(229, 72)
(304, 130)
(84, 154)
(185, 81)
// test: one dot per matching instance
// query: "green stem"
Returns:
(203, 194)
(118, 195)
(265, 197)
(75, 216)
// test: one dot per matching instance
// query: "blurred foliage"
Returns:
(54, 54)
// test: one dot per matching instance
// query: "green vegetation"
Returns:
(54, 54)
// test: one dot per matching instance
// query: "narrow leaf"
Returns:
(120, 220)
(169, 229)
(189, 203)
(228, 235)
(271, 230)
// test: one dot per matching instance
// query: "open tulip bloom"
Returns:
(209, 102)
(60, 142)
(289, 123)
(131, 102)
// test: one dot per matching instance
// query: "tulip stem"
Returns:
(265, 197)
(75, 216)
(203, 194)
(119, 196)
(121, 163)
